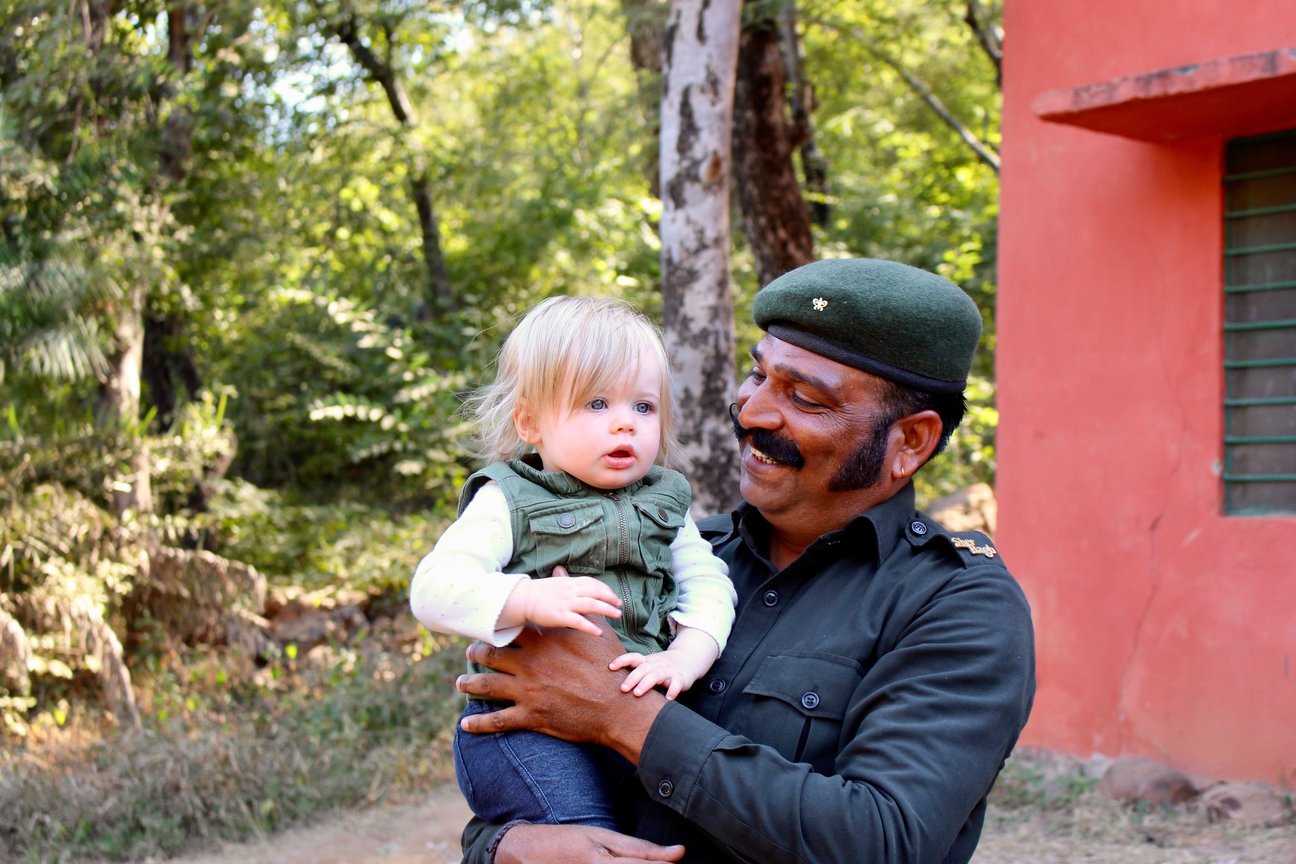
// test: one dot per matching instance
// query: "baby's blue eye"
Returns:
(644, 407)
(598, 404)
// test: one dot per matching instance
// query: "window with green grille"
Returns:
(1260, 324)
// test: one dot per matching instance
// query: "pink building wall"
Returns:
(1164, 628)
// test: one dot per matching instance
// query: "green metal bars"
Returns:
(1260, 325)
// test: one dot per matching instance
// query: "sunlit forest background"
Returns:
(253, 255)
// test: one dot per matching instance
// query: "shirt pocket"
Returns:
(799, 702)
(571, 534)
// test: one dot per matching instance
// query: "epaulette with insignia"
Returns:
(974, 547)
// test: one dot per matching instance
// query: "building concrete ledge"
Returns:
(1227, 97)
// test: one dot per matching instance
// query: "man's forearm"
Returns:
(632, 721)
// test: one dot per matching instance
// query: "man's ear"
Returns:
(524, 421)
(920, 434)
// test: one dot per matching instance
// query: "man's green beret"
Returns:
(889, 319)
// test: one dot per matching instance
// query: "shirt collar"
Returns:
(881, 526)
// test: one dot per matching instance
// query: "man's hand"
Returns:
(560, 684)
(578, 844)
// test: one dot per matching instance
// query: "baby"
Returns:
(576, 515)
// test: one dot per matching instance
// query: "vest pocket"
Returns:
(659, 527)
(572, 531)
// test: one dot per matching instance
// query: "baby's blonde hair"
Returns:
(569, 348)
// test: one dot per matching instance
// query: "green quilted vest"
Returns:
(622, 538)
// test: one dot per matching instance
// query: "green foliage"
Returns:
(41, 330)
(47, 298)
(353, 398)
(61, 558)
(48, 539)
(278, 230)
(317, 545)
(63, 555)
(235, 758)
(970, 455)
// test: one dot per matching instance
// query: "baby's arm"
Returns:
(703, 616)
(459, 587)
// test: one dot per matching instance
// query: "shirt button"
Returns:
(810, 701)
(665, 789)
(566, 520)
(770, 598)
(716, 685)
(918, 528)
(661, 513)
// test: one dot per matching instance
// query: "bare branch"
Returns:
(349, 33)
(983, 151)
(989, 35)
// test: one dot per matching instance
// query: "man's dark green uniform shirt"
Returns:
(867, 698)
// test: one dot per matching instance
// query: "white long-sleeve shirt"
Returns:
(460, 588)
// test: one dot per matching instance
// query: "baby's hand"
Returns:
(564, 601)
(669, 668)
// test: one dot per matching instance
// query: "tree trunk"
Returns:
(166, 351)
(119, 390)
(697, 114)
(384, 74)
(168, 360)
(439, 291)
(119, 402)
(774, 214)
(989, 37)
(814, 165)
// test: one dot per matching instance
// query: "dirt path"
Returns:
(424, 832)
(427, 832)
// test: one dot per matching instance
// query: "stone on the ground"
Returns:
(1249, 804)
(192, 593)
(15, 654)
(1134, 781)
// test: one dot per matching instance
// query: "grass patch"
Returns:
(1038, 780)
(237, 759)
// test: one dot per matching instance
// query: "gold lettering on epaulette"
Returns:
(971, 546)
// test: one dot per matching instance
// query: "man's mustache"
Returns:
(782, 450)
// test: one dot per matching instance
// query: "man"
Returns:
(880, 668)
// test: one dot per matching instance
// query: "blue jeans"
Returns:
(535, 778)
